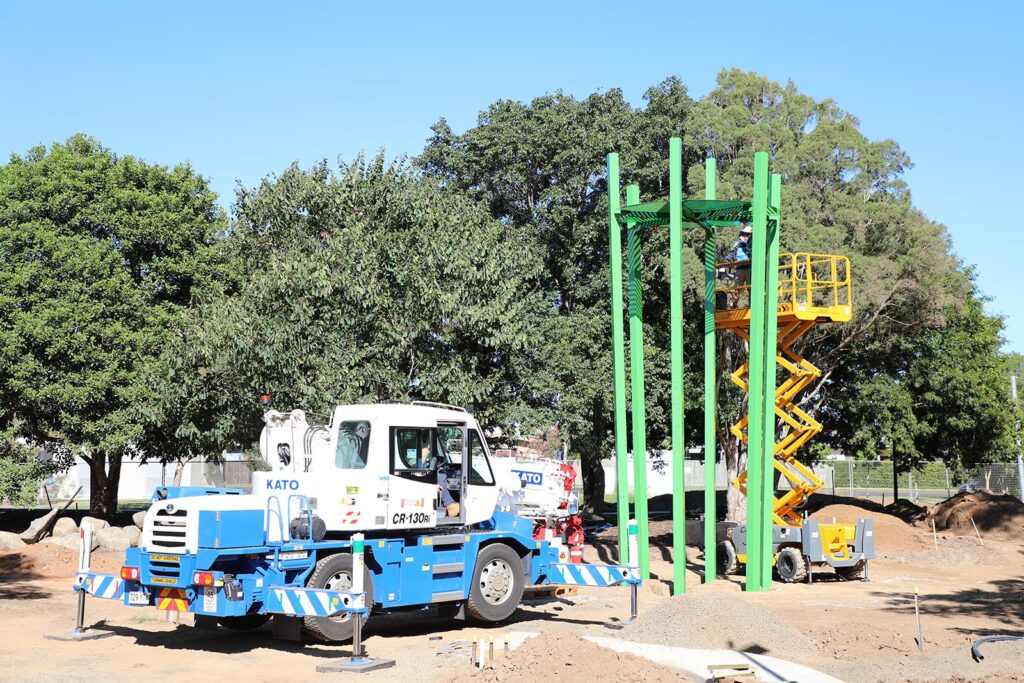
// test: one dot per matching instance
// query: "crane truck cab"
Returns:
(351, 519)
(388, 466)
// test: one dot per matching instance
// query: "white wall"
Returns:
(138, 480)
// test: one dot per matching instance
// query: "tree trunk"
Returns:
(590, 462)
(735, 464)
(103, 484)
(179, 470)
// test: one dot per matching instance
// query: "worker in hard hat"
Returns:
(739, 256)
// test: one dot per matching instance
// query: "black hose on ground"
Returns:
(976, 647)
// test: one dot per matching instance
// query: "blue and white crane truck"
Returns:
(415, 480)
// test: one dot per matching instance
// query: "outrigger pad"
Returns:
(356, 664)
(84, 634)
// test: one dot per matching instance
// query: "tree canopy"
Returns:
(137, 320)
(99, 256)
(365, 284)
(539, 167)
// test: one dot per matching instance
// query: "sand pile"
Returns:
(563, 656)
(48, 561)
(719, 620)
(1001, 516)
(891, 533)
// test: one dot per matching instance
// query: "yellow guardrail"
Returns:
(806, 281)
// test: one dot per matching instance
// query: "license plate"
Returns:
(138, 598)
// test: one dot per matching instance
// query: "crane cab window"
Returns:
(353, 445)
(413, 451)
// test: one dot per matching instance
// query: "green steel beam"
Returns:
(710, 386)
(675, 200)
(696, 210)
(636, 378)
(618, 357)
(771, 322)
(756, 395)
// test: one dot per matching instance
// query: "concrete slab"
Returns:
(694, 662)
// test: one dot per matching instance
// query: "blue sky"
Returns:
(243, 89)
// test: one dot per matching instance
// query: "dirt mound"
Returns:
(719, 620)
(891, 533)
(48, 561)
(1000, 516)
(562, 656)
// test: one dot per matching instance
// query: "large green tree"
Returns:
(100, 254)
(539, 167)
(367, 283)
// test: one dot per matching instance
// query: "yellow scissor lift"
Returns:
(813, 289)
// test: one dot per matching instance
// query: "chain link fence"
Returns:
(931, 483)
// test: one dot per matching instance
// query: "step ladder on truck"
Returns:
(814, 289)
(414, 480)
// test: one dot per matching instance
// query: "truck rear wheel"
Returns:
(791, 565)
(498, 584)
(334, 572)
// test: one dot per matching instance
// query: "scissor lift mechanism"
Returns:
(813, 289)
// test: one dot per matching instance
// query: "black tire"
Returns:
(791, 565)
(854, 573)
(335, 572)
(726, 556)
(498, 584)
(248, 622)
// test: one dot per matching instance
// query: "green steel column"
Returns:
(675, 204)
(755, 377)
(636, 378)
(618, 356)
(771, 322)
(710, 386)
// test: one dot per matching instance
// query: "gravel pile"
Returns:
(719, 620)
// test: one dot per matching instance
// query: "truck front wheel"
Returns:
(498, 584)
(334, 572)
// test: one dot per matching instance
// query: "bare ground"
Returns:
(859, 631)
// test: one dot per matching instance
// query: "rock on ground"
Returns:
(96, 522)
(70, 541)
(65, 526)
(138, 518)
(133, 534)
(39, 527)
(112, 538)
(10, 541)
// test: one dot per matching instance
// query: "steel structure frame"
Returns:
(708, 214)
